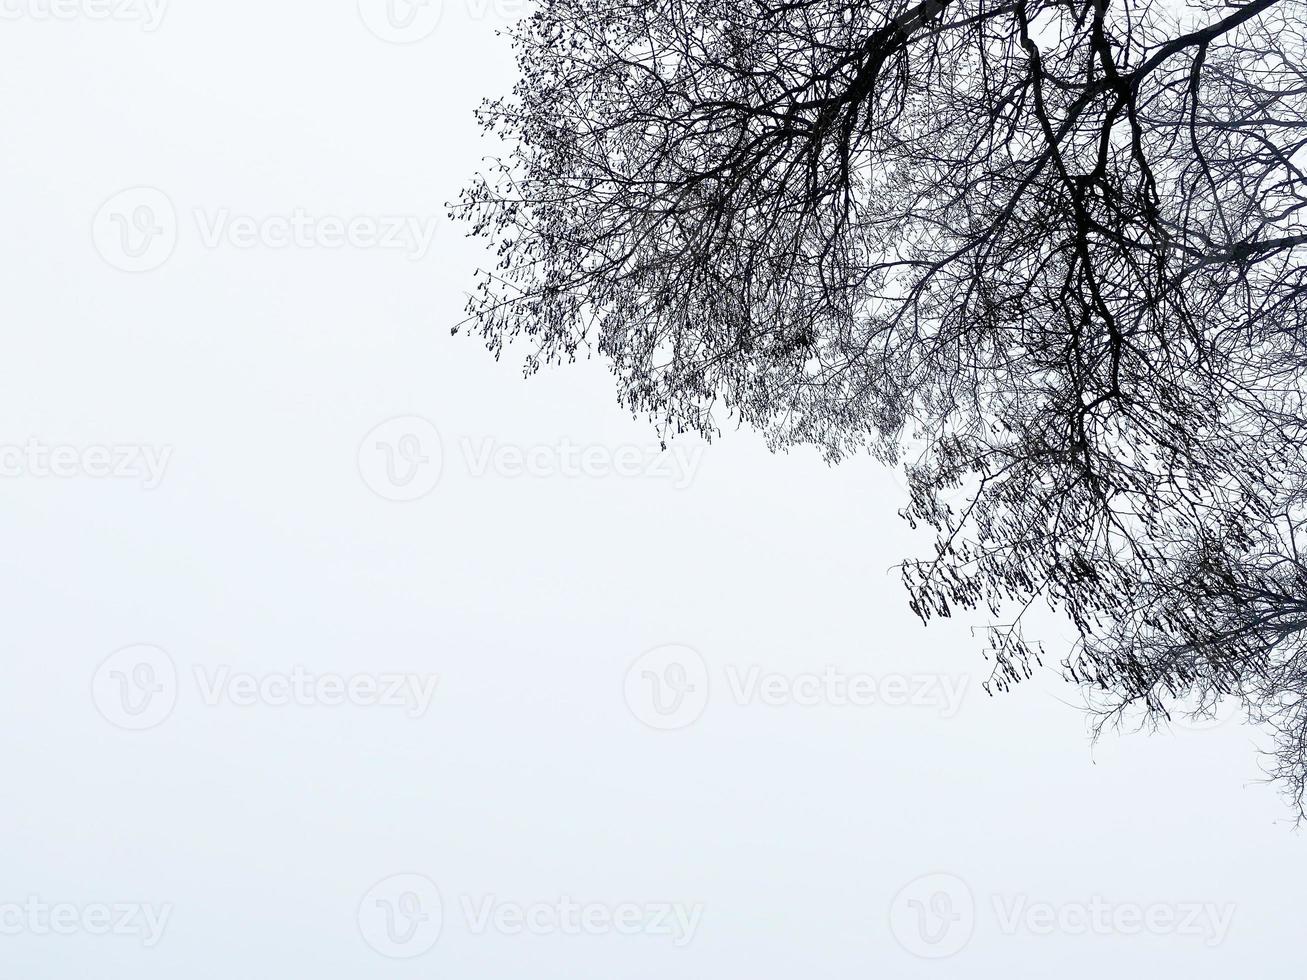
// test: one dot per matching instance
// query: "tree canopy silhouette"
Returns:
(1047, 255)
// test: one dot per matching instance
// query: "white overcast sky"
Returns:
(652, 717)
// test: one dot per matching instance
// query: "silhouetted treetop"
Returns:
(1047, 254)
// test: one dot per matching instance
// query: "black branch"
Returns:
(1048, 254)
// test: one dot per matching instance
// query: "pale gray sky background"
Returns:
(333, 649)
